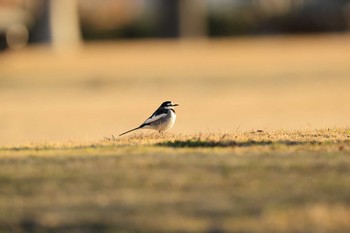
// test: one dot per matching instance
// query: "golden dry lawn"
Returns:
(248, 181)
(221, 85)
(261, 142)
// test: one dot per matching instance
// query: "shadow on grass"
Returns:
(249, 143)
(32, 227)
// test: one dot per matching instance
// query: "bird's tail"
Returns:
(130, 131)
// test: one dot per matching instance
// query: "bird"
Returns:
(162, 119)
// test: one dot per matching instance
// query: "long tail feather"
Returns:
(130, 131)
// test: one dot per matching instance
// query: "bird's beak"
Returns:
(174, 105)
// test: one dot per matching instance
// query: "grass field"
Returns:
(246, 154)
(221, 85)
(258, 181)
(248, 181)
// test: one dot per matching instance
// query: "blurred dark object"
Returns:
(169, 20)
(39, 21)
(110, 19)
(279, 16)
(40, 31)
(316, 16)
(182, 18)
(139, 19)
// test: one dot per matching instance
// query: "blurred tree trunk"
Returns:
(64, 23)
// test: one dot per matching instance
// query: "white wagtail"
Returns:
(162, 119)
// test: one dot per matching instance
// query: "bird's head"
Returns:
(168, 104)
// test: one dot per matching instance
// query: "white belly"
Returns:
(168, 123)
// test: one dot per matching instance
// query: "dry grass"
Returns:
(247, 181)
(222, 85)
(238, 139)
(225, 167)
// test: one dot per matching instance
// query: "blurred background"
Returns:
(84, 69)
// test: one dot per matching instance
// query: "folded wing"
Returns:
(154, 118)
